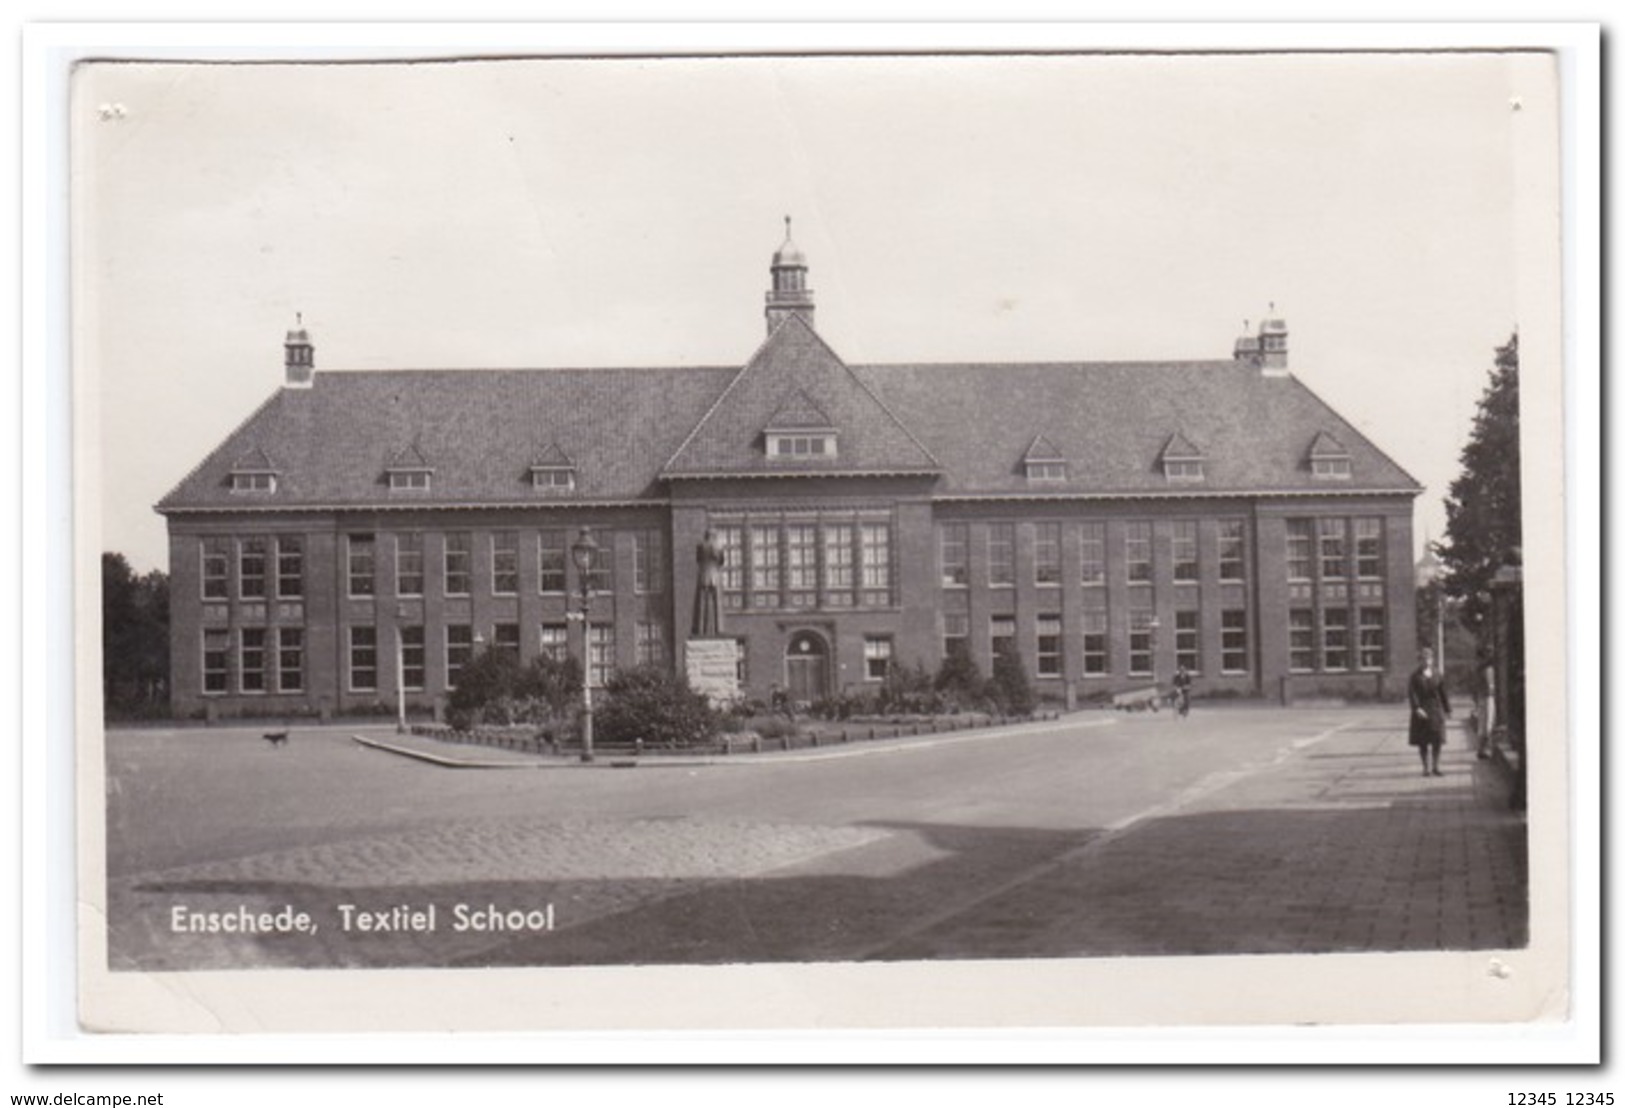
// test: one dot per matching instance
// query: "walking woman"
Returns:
(1429, 708)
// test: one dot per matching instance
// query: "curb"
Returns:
(868, 748)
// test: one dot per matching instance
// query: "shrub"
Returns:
(908, 690)
(1008, 687)
(959, 678)
(648, 703)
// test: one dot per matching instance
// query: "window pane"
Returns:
(413, 664)
(505, 563)
(876, 563)
(363, 659)
(876, 657)
(954, 546)
(1233, 641)
(1186, 566)
(409, 565)
(801, 545)
(648, 562)
(765, 580)
(1373, 642)
(361, 565)
(1001, 554)
(290, 567)
(839, 578)
(1048, 653)
(1096, 659)
(1301, 639)
(1137, 551)
(458, 560)
(1299, 550)
(1333, 549)
(1188, 641)
(1047, 554)
(216, 568)
(1232, 550)
(552, 559)
(216, 661)
(251, 660)
(251, 568)
(1368, 547)
(291, 659)
(1094, 554)
(459, 651)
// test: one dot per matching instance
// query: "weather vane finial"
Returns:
(786, 226)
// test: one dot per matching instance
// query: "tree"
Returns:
(1484, 511)
(135, 635)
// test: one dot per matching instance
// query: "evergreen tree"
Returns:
(1484, 510)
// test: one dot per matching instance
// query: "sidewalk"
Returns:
(1343, 846)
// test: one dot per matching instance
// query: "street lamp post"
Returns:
(1154, 626)
(584, 552)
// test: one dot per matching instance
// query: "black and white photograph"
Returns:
(833, 539)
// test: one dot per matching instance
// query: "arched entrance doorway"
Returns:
(806, 666)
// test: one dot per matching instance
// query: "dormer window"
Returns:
(554, 480)
(254, 472)
(1043, 463)
(260, 481)
(410, 480)
(801, 444)
(1329, 459)
(799, 430)
(552, 471)
(1182, 461)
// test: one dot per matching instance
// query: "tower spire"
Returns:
(789, 294)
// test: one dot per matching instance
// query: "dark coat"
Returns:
(1429, 707)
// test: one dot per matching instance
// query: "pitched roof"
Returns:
(728, 441)
(254, 460)
(409, 456)
(799, 413)
(552, 456)
(1326, 446)
(624, 430)
(1110, 420)
(481, 428)
(1179, 448)
(1042, 450)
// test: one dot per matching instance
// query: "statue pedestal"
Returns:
(713, 669)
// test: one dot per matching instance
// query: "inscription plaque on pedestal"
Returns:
(713, 669)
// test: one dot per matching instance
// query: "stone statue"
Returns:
(707, 605)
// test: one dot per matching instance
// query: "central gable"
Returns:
(795, 381)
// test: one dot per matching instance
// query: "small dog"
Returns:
(276, 738)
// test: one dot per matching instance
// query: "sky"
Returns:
(563, 213)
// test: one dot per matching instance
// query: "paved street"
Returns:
(1239, 830)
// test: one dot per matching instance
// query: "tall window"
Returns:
(457, 562)
(1047, 554)
(651, 643)
(505, 637)
(409, 565)
(1003, 631)
(600, 653)
(555, 641)
(413, 661)
(1373, 643)
(839, 578)
(251, 558)
(552, 559)
(1333, 549)
(877, 651)
(216, 568)
(251, 660)
(1001, 554)
(1299, 550)
(955, 632)
(361, 565)
(1187, 569)
(954, 547)
(290, 567)
(731, 541)
(1137, 552)
(1096, 659)
(1334, 639)
(1188, 640)
(1048, 654)
(602, 577)
(1141, 643)
(876, 563)
(1301, 640)
(1232, 550)
(1233, 640)
(1094, 554)
(648, 561)
(764, 567)
(801, 546)
(1368, 546)
(290, 659)
(459, 651)
(363, 659)
(505, 563)
(216, 661)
